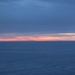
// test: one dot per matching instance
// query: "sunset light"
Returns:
(42, 37)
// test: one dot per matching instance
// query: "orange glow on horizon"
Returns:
(39, 38)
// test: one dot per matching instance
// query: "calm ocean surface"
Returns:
(37, 58)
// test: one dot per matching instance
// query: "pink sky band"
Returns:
(59, 37)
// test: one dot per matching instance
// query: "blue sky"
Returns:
(37, 17)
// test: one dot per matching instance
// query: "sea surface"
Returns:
(37, 58)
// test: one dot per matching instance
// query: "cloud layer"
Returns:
(37, 16)
(44, 37)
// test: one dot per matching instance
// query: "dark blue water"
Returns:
(37, 58)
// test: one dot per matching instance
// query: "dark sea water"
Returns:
(37, 58)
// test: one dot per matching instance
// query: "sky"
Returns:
(37, 20)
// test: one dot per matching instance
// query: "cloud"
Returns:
(47, 37)
(29, 16)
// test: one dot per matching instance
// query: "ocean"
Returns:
(37, 58)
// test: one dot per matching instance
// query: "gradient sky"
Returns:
(37, 20)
